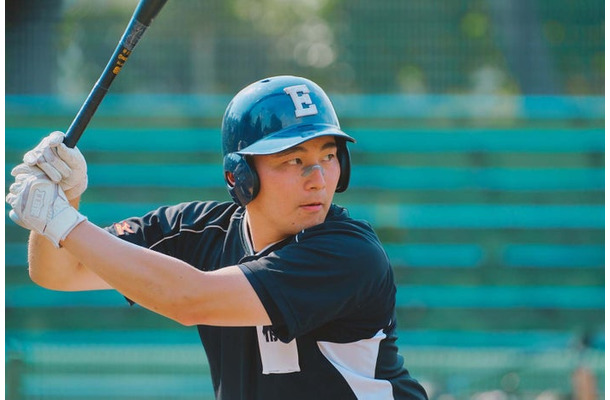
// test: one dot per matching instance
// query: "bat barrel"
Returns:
(147, 10)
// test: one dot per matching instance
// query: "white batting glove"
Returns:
(40, 205)
(62, 164)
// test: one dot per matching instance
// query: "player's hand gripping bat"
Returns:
(140, 20)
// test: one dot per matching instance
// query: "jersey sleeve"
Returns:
(329, 273)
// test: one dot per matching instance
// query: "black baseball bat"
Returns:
(140, 20)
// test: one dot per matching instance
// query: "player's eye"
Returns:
(329, 157)
(294, 161)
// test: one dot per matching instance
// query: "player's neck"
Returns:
(259, 238)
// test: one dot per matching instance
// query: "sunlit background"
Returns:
(480, 163)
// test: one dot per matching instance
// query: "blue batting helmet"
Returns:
(273, 115)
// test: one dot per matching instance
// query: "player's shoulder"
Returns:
(194, 213)
(170, 220)
(188, 215)
(339, 222)
(212, 208)
(341, 236)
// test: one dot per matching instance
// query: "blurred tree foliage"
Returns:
(385, 46)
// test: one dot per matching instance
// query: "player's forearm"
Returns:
(166, 285)
(151, 279)
(57, 269)
(48, 266)
(51, 267)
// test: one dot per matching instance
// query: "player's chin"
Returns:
(312, 214)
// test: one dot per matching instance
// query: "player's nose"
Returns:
(314, 175)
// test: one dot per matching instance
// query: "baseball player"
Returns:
(292, 298)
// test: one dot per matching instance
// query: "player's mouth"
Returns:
(312, 207)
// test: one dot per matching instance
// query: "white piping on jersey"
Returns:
(186, 230)
(240, 216)
(246, 235)
(296, 237)
(356, 362)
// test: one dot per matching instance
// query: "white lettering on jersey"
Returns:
(277, 357)
(300, 98)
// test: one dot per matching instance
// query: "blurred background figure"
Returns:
(479, 161)
(584, 384)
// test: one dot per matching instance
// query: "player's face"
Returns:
(296, 189)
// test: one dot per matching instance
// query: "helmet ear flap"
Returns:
(343, 157)
(244, 185)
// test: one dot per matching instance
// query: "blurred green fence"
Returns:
(134, 366)
(494, 225)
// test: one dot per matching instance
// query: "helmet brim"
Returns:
(287, 138)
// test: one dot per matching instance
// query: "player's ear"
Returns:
(230, 178)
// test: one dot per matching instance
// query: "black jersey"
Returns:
(329, 292)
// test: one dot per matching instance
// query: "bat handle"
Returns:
(84, 115)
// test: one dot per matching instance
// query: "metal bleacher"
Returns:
(495, 230)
